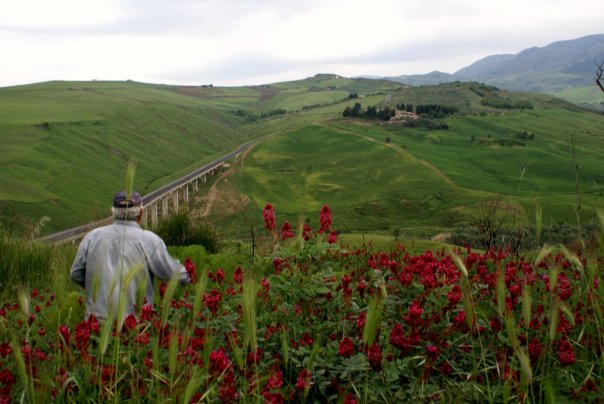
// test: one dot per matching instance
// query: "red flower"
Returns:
(361, 320)
(147, 313)
(564, 287)
(374, 356)
(454, 295)
(286, 231)
(414, 313)
(432, 351)
(238, 275)
(303, 382)
(460, 318)
(534, 349)
(228, 393)
(64, 332)
(275, 381)
(269, 217)
(273, 398)
(361, 288)
(278, 265)
(350, 399)
(397, 338)
(191, 271)
(306, 232)
(212, 300)
(325, 219)
(333, 237)
(306, 339)
(8, 379)
(566, 355)
(219, 361)
(219, 276)
(346, 348)
(130, 322)
(5, 349)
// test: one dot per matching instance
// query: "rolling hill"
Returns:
(67, 145)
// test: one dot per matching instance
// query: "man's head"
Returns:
(127, 207)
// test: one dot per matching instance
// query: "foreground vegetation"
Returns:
(307, 319)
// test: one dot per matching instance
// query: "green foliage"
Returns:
(180, 229)
(427, 123)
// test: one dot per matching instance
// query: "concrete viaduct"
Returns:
(158, 203)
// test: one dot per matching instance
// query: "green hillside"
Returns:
(66, 146)
(379, 177)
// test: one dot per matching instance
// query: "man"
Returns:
(116, 264)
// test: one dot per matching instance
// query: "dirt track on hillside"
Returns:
(213, 194)
(401, 151)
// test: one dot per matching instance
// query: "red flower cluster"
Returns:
(346, 347)
(306, 232)
(212, 300)
(191, 271)
(269, 217)
(325, 220)
(286, 231)
(566, 356)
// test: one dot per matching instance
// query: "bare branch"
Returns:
(599, 74)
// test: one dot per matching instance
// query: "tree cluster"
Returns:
(371, 112)
(505, 103)
(432, 110)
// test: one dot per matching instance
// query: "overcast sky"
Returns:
(246, 42)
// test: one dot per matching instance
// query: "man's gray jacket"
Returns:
(122, 259)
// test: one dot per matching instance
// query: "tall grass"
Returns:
(29, 264)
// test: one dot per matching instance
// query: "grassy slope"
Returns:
(424, 181)
(589, 96)
(66, 145)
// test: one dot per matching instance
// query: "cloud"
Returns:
(231, 41)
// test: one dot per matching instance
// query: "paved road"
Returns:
(75, 232)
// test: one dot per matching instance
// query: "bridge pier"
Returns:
(175, 201)
(164, 206)
(154, 214)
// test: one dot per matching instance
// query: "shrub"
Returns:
(180, 230)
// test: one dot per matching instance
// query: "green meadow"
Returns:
(424, 181)
(66, 145)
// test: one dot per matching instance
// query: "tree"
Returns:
(371, 112)
(396, 233)
(599, 76)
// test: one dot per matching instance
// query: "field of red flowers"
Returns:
(314, 321)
